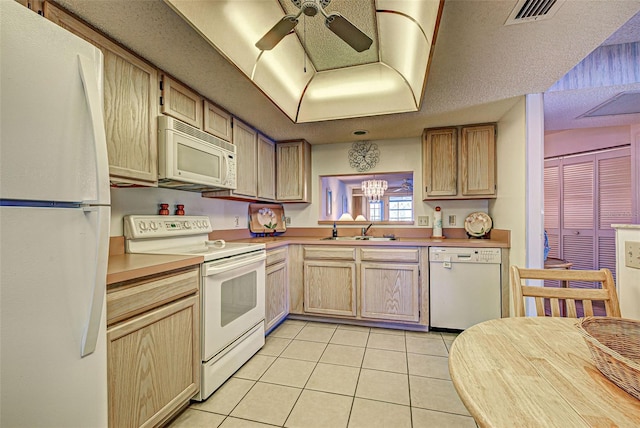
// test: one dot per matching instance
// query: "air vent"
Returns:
(623, 103)
(533, 10)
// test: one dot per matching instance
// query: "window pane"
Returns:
(400, 208)
(375, 210)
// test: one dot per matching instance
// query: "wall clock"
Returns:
(364, 155)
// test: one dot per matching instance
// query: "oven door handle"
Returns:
(213, 269)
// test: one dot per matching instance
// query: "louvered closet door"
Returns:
(552, 210)
(614, 202)
(578, 220)
(595, 192)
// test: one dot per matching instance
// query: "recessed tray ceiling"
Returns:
(389, 79)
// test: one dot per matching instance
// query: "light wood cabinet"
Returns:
(217, 121)
(364, 283)
(181, 102)
(276, 288)
(130, 105)
(478, 161)
(153, 347)
(266, 169)
(390, 291)
(330, 287)
(459, 162)
(390, 284)
(440, 158)
(245, 140)
(293, 179)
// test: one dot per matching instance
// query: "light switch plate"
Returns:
(423, 220)
(632, 254)
(452, 220)
(287, 221)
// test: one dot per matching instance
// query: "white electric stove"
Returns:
(232, 290)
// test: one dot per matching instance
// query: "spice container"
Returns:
(179, 209)
(164, 209)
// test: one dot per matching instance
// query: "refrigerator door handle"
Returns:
(90, 74)
(92, 330)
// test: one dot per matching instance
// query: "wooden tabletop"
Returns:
(535, 372)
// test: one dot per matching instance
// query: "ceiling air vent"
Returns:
(533, 10)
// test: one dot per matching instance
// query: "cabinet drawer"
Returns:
(275, 256)
(333, 253)
(407, 255)
(134, 298)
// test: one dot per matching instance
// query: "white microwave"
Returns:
(190, 159)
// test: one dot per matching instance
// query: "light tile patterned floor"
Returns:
(312, 374)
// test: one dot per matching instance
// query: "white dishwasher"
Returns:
(464, 286)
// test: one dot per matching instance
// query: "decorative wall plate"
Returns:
(478, 224)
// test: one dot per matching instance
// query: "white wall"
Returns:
(395, 155)
(141, 200)
(508, 210)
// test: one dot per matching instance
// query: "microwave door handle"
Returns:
(225, 169)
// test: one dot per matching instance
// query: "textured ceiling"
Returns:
(479, 67)
(326, 50)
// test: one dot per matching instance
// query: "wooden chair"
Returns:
(606, 294)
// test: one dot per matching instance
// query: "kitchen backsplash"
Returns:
(223, 214)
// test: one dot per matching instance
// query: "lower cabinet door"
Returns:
(276, 296)
(330, 287)
(153, 364)
(390, 291)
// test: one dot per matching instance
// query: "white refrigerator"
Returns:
(54, 226)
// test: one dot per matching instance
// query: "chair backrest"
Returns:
(606, 294)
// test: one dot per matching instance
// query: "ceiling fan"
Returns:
(406, 186)
(335, 22)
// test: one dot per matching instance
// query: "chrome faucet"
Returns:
(366, 229)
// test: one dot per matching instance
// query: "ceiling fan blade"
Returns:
(348, 32)
(277, 33)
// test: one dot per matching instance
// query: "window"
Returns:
(375, 210)
(400, 208)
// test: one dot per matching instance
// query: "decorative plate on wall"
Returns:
(478, 224)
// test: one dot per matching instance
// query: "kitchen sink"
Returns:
(358, 238)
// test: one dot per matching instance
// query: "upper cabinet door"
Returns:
(181, 102)
(217, 121)
(478, 163)
(293, 160)
(440, 158)
(245, 140)
(266, 168)
(130, 105)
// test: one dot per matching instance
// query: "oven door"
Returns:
(232, 300)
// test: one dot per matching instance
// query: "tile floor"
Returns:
(312, 374)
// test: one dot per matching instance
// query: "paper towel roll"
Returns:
(437, 223)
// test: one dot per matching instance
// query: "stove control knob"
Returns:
(153, 225)
(187, 225)
(142, 225)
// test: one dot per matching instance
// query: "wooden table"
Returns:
(535, 372)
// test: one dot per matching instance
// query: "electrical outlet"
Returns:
(632, 254)
(452, 220)
(236, 221)
(423, 220)
(287, 221)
